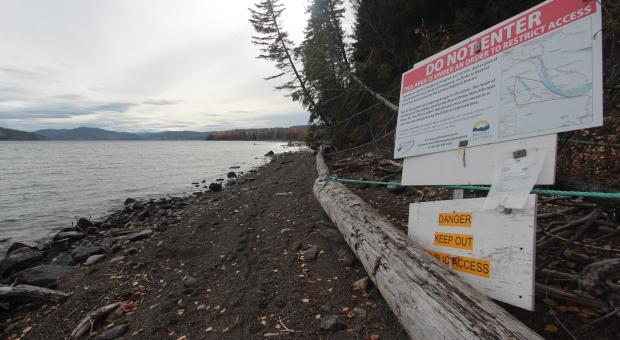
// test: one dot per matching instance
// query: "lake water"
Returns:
(44, 185)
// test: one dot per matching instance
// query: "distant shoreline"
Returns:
(156, 140)
(86, 133)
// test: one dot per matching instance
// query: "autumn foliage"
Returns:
(296, 133)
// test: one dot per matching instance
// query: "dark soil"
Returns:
(232, 268)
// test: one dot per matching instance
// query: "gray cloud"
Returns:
(240, 111)
(161, 102)
(20, 73)
(112, 107)
(63, 110)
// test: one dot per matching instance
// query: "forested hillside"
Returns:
(295, 133)
(10, 134)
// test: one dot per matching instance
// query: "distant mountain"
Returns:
(174, 135)
(85, 133)
(9, 134)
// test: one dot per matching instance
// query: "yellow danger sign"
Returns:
(455, 219)
(478, 267)
(442, 257)
(458, 241)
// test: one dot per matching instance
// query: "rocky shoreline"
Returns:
(139, 271)
(87, 242)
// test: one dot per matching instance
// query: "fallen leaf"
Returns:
(278, 326)
(305, 300)
(180, 311)
(184, 337)
(223, 311)
(209, 329)
(318, 316)
(26, 330)
(551, 328)
(374, 337)
(225, 329)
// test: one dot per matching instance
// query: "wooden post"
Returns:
(428, 299)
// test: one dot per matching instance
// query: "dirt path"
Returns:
(236, 266)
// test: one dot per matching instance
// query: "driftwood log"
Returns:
(86, 325)
(31, 293)
(428, 299)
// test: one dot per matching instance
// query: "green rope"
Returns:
(607, 195)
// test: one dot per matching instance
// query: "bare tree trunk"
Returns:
(291, 62)
(375, 94)
(428, 299)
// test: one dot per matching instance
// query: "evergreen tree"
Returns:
(324, 56)
(277, 47)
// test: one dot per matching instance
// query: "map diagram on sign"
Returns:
(547, 82)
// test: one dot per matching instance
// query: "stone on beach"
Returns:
(215, 186)
(94, 259)
(311, 253)
(82, 253)
(331, 234)
(72, 235)
(64, 259)
(332, 323)
(84, 224)
(189, 281)
(361, 284)
(117, 259)
(146, 233)
(19, 259)
(45, 275)
(349, 259)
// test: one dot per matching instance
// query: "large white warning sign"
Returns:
(537, 73)
(492, 250)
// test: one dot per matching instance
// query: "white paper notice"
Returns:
(514, 179)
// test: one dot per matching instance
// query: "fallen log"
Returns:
(428, 299)
(31, 293)
(86, 325)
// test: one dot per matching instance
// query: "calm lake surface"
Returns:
(44, 185)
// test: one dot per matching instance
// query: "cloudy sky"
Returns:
(138, 65)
